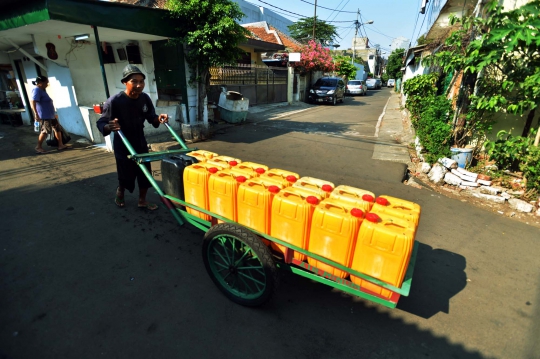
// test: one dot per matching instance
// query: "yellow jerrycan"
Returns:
(225, 162)
(254, 203)
(251, 168)
(202, 155)
(196, 178)
(223, 193)
(333, 233)
(397, 207)
(321, 187)
(359, 198)
(284, 178)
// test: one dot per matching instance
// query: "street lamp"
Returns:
(355, 34)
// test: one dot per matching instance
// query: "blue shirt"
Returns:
(44, 104)
(131, 115)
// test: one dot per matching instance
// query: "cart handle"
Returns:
(175, 135)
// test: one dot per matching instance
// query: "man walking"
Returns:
(127, 111)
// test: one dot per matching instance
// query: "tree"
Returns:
(211, 33)
(395, 63)
(344, 67)
(314, 57)
(303, 30)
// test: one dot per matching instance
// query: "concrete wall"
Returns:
(254, 13)
(76, 81)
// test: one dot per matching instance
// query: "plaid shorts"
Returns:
(47, 126)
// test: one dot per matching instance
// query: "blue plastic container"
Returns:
(463, 156)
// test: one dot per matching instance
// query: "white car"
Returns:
(391, 83)
(356, 87)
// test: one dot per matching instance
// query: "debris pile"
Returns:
(446, 171)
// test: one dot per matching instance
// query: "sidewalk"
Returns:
(393, 128)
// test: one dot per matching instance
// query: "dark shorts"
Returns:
(48, 125)
(128, 171)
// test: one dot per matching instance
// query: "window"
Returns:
(121, 54)
(133, 54)
(371, 57)
(108, 55)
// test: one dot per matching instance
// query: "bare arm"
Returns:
(33, 104)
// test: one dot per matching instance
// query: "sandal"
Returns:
(119, 201)
(149, 206)
(40, 151)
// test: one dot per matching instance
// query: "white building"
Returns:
(256, 13)
(400, 43)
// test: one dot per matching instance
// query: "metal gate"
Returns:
(258, 83)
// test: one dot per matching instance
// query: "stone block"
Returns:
(448, 163)
(463, 176)
(488, 190)
(426, 167)
(489, 197)
(484, 182)
(467, 173)
(506, 195)
(452, 179)
(470, 184)
(436, 174)
(520, 206)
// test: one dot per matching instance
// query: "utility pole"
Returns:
(314, 20)
(355, 33)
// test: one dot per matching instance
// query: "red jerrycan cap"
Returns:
(368, 198)
(357, 212)
(382, 201)
(312, 200)
(327, 188)
(212, 170)
(291, 179)
(273, 189)
(372, 217)
(260, 170)
(241, 179)
(233, 163)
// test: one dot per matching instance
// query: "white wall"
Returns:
(254, 13)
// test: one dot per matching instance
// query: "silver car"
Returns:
(356, 87)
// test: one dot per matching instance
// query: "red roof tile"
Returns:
(261, 33)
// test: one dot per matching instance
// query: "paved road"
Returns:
(80, 278)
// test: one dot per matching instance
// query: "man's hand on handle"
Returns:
(114, 125)
(163, 118)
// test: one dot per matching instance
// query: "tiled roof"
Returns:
(288, 42)
(261, 34)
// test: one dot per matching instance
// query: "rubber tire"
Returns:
(334, 100)
(263, 253)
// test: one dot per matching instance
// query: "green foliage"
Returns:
(384, 77)
(434, 127)
(211, 33)
(429, 115)
(504, 46)
(422, 40)
(417, 89)
(395, 63)
(344, 67)
(517, 152)
(302, 30)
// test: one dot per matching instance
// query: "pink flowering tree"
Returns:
(314, 57)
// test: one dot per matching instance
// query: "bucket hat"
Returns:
(40, 79)
(131, 70)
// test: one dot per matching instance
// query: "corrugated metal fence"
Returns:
(260, 84)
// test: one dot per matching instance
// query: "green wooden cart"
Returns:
(238, 261)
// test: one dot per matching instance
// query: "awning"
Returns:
(262, 46)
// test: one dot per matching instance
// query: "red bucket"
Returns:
(98, 108)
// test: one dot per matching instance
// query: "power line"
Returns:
(420, 30)
(322, 7)
(329, 16)
(342, 8)
(415, 23)
(302, 16)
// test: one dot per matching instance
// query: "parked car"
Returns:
(356, 87)
(327, 89)
(391, 83)
(373, 84)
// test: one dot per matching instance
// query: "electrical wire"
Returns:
(420, 30)
(341, 8)
(329, 16)
(290, 12)
(416, 22)
(322, 7)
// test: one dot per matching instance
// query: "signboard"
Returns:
(294, 56)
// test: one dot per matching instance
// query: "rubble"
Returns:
(455, 179)
(520, 205)
(437, 172)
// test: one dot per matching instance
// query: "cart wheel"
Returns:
(240, 264)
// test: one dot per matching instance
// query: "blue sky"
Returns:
(392, 18)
